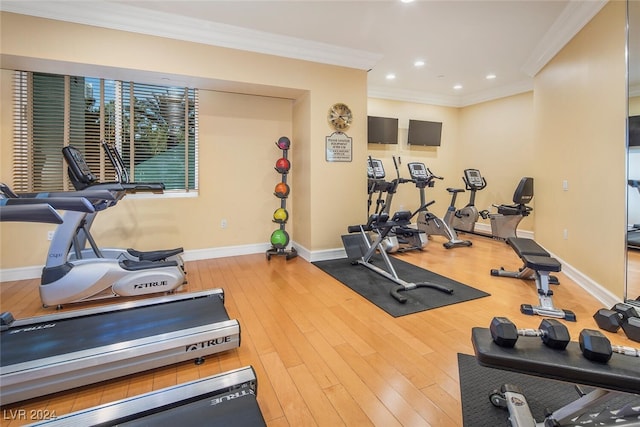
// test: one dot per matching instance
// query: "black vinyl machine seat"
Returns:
(522, 195)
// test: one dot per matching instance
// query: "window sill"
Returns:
(170, 194)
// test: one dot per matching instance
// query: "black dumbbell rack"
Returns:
(281, 250)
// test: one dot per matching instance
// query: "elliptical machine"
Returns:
(402, 237)
(427, 221)
(82, 178)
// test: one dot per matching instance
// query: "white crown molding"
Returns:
(128, 18)
(144, 21)
(498, 92)
(572, 19)
(450, 101)
(412, 96)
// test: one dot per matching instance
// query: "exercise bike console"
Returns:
(375, 170)
(474, 180)
(419, 173)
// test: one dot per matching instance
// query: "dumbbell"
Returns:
(6, 319)
(553, 333)
(621, 315)
(597, 347)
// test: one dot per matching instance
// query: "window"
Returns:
(153, 127)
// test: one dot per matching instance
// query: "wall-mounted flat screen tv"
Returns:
(382, 130)
(422, 132)
(634, 131)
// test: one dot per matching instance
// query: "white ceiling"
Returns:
(460, 41)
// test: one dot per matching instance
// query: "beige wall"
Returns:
(571, 127)
(580, 111)
(495, 137)
(441, 160)
(234, 130)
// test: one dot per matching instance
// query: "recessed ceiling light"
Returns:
(457, 87)
(491, 76)
(391, 76)
(418, 63)
(406, 1)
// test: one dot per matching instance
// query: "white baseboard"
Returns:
(34, 272)
(225, 251)
(603, 295)
(20, 273)
(483, 228)
(606, 297)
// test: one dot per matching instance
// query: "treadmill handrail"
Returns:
(160, 400)
(43, 213)
(123, 176)
(62, 315)
(77, 204)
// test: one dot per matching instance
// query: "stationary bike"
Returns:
(427, 221)
(465, 219)
(504, 223)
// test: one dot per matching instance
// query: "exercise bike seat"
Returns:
(521, 196)
(131, 265)
(157, 255)
(455, 190)
(401, 218)
(514, 210)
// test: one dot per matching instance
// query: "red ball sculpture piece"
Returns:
(283, 165)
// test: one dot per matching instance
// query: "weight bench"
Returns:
(538, 265)
(620, 375)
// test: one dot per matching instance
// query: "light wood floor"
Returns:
(324, 355)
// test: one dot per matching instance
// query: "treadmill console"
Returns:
(375, 169)
(418, 171)
(473, 179)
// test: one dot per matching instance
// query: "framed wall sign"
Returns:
(338, 147)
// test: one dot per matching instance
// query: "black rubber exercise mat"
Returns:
(477, 382)
(376, 288)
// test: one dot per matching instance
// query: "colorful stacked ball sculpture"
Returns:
(280, 238)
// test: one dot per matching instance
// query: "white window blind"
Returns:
(153, 127)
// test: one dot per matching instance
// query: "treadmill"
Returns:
(227, 399)
(47, 354)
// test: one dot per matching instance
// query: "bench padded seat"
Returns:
(524, 246)
(541, 263)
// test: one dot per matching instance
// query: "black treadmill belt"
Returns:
(49, 339)
(216, 411)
